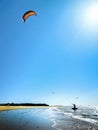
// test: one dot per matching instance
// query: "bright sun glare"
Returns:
(90, 16)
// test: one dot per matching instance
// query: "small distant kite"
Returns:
(27, 14)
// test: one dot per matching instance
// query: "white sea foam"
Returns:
(60, 116)
(96, 107)
(85, 119)
(54, 124)
(52, 113)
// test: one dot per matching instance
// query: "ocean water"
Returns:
(85, 118)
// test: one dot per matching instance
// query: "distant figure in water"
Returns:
(74, 107)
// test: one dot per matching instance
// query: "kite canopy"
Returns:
(27, 14)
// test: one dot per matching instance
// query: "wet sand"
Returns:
(26, 119)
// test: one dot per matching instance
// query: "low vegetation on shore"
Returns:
(12, 106)
(24, 104)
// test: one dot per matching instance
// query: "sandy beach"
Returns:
(25, 119)
(5, 108)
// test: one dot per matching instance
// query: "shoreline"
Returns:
(8, 108)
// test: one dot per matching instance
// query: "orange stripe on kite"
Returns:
(27, 14)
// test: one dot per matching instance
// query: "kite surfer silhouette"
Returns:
(74, 107)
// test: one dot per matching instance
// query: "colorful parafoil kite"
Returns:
(27, 14)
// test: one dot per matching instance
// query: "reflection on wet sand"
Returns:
(25, 119)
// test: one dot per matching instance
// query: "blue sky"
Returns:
(51, 58)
